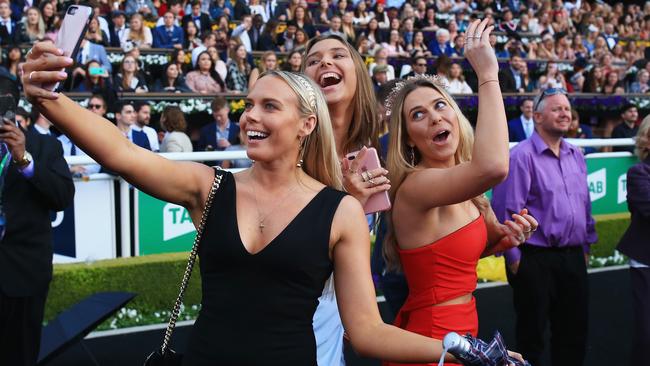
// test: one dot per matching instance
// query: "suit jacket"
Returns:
(516, 131)
(15, 36)
(209, 136)
(635, 243)
(203, 18)
(176, 141)
(26, 250)
(162, 39)
(507, 81)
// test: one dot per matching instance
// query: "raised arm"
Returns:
(489, 164)
(186, 184)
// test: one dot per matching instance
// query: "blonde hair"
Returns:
(364, 127)
(403, 159)
(642, 145)
(139, 35)
(318, 150)
(40, 25)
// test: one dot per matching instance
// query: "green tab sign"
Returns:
(607, 184)
(162, 227)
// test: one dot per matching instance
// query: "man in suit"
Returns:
(523, 126)
(222, 133)
(117, 27)
(37, 182)
(10, 30)
(168, 35)
(202, 20)
(510, 79)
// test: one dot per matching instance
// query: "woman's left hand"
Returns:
(517, 231)
(363, 184)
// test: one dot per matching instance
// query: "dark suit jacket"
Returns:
(516, 131)
(434, 47)
(14, 37)
(203, 18)
(209, 136)
(161, 39)
(507, 81)
(635, 243)
(26, 250)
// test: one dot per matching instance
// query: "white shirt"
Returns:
(528, 124)
(152, 135)
(6, 23)
(67, 151)
(41, 130)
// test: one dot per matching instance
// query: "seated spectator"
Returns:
(456, 79)
(118, 18)
(612, 83)
(51, 19)
(300, 40)
(268, 40)
(142, 122)
(293, 62)
(92, 78)
(530, 83)
(219, 66)
(578, 130)
(91, 51)
(171, 80)
(600, 48)
(192, 39)
(552, 78)
(128, 78)
(361, 14)
(618, 54)
(380, 77)
(641, 84)
(441, 45)
(137, 33)
(394, 45)
(220, 134)
(429, 21)
(381, 58)
(239, 70)
(510, 78)
(33, 26)
(546, 51)
(182, 61)
(419, 45)
(202, 20)
(172, 121)
(241, 32)
(594, 81)
(362, 45)
(347, 27)
(374, 34)
(140, 7)
(563, 48)
(205, 79)
(323, 13)
(221, 7)
(523, 126)
(628, 127)
(335, 28)
(10, 30)
(419, 66)
(176, 7)
(382, 15)
(579, 47)
(268, 61)
(208, 40)
(13, 60)
(168, 35)
(96, 35)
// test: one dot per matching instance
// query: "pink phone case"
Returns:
(73, 29)
(379, 201)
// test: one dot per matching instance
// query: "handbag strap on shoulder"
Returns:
(190, 262)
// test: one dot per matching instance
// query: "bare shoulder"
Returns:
(348, 219)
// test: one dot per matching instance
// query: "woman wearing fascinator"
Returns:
(275, 232)
(441, 224)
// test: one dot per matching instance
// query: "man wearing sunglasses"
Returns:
(548, 273)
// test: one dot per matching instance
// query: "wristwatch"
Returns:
(25, 161)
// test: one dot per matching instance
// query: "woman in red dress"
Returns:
(441, 224)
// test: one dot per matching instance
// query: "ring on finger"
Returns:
(372, 181)
(364, 176)
(30, 75)
(370, 176)
(477, 35)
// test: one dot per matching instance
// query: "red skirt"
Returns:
(437, 321)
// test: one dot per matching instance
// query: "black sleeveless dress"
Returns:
(257, 309)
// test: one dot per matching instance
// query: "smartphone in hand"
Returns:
(7, 109)
(379, 201)
(72, 31)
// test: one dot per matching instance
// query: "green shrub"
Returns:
(609, 233)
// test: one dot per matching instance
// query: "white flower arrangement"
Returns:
(148, 59)
(187, 106)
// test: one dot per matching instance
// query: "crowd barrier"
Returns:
(99, 226)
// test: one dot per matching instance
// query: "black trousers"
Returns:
(21, 321)
(551, 286)
(640, 281)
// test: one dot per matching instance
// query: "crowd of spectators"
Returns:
(591, 46)
(582, 46)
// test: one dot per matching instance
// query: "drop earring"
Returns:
(412, 155)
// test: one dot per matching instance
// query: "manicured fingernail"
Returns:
(68, 60)
(60, 51)
(63, 74)
(55, 94)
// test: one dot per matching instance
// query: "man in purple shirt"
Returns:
(548, 273)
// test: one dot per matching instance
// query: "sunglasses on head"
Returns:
(547, 93)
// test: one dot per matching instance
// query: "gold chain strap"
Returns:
(190, 264)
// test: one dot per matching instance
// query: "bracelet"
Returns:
(487, 81)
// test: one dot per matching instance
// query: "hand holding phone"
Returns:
(364, 163)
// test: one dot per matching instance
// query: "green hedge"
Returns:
(155, 278)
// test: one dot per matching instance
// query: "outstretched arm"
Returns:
(510, 234)
(186, 184)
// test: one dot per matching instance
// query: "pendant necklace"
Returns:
(276, 203)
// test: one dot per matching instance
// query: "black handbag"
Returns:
(165, 356)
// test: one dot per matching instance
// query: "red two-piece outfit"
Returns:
(438, 272)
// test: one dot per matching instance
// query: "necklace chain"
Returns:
(274, 206)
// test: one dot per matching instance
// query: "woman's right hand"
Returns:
(43, 66)
(479, 52)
